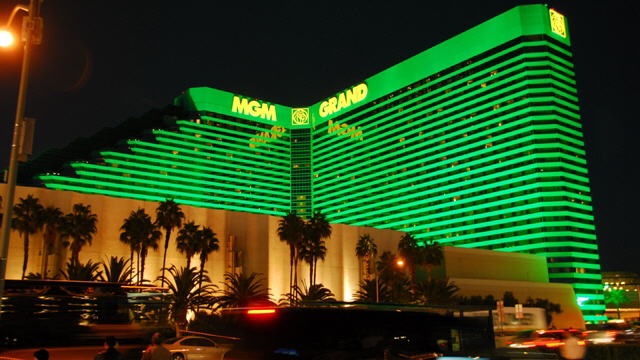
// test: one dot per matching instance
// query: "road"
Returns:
(72, 353)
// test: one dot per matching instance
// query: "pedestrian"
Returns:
(156, 351)
(41, 354)
(110, 352)
(572, 350)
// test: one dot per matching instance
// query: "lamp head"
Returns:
(400, 262)
(6, 38)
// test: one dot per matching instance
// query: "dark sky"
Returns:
(103, 61)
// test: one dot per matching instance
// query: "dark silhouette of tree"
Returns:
(394, 276)
(509, 299)
(80, 226)
(549, 307)
(130, 237)
(432, 254)
(117, 269)
(291, 231)
(27, 220)
(413, 256)
(187, 241)
(366, 249)
(367, 292)
(316, 230)
(242, 291)
(169, 216)
(436, 292)
(207, 243)
(83, 272)
(183, 295)
(141, 234)
(53, 221)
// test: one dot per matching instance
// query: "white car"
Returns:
(194, 347)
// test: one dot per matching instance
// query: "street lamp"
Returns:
(399, 263)
(31, 35)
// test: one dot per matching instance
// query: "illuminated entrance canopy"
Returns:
(254, 108)
(344, 100)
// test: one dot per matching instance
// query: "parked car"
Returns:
(543, 339)
(194, 347)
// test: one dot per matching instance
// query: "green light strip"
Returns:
(98, 168)
(169, 194)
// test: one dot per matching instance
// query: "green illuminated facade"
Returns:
(475, 142)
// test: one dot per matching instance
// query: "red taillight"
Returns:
(261, 311)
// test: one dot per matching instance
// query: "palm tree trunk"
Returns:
(311, 272)
(143, 256)
(295, 275)
(138, 267)
(45, 258)
(26, 253)
(367, 265)
(429, 272)
(200, 287)
(315, 270)
(166, 246)
(188, 262)
(291, 253)
(131, 275)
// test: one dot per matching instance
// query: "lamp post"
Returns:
(399, 263)
(31, 34)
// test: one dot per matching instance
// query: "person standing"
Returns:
(41, 354)
(156, 351)
(111, 353)
(572, 350)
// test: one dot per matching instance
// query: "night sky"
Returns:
(104, 61)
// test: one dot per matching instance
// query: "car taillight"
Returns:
(555, 344)
(261, 311)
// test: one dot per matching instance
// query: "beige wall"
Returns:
(255, 237)
(488, 264)
(476, 272)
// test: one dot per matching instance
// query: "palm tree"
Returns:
(616, 297)
(316, 230)
(316, 292)
(208, 243)
(183, 295)
(413, 256)
(436, 292)
(83, 272)
(291, 231)
(27, 219)
(53, 221)
(80, 226)
(366, 249)
(129, 236)
(243, 291)
(117, 269)
(187, 241)
(168, 216)
(367, 292)
(141, 234)
(394, 277)
(433, 255)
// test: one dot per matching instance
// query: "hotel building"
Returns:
(474, 143)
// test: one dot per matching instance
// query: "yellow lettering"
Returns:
(240, 106)
(342, 102)
(254, 108)
(323, 109)
(362, 91)
(332, 105)
(269, 112)
(351, 97)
